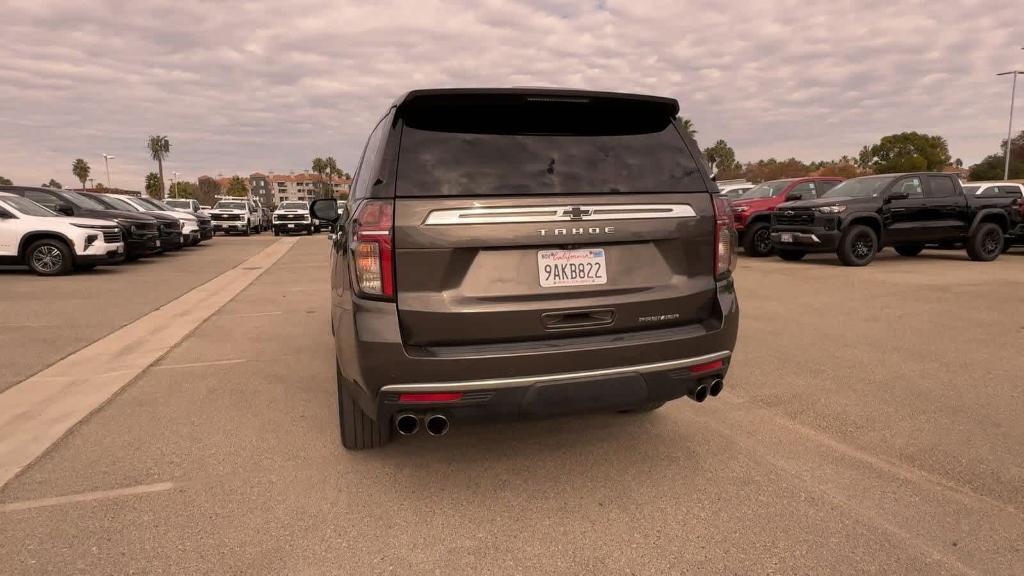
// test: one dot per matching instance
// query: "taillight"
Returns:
(725, 239)
(374, 250)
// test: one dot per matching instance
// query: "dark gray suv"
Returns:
(526, 252)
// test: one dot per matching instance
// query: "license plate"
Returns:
(786, 237)
(572, 267)
(291, 225)
(157, 243)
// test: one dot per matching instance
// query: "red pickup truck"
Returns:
(753, 210)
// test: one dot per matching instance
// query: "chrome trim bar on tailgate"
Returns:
(574, 213)
(497, 383)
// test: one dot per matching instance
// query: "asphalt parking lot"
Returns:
(871, 423)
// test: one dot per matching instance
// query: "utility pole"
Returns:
(106, 161)
(1009, 129)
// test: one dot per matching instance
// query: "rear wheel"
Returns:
(358, 430)
(757, 241)
(858, 246)
(986, 243)
(792, 255)
(909, 249)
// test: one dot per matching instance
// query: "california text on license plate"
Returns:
(572, 267)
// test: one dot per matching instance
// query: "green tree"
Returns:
(907, 152)
(152, 184)
(184, 189)
(237, 187)
(722, 159)
(80, 168)
(52, 184)
(994, 165)
(6, 181)
(319, 166)
(331, 167)
(687, 125)
(772, 169)
(159, 148)
(208, 191)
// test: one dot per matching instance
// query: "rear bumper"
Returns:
(805, 239)
(553, 394)
(599, 372)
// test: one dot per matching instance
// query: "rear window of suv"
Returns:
(541, 148)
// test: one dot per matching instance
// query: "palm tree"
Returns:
(319, 167)
(159, 148)
(687, 125)
(80, 168)
(332, 170)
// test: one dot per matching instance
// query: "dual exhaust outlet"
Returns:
(435, 423)
(705, 389)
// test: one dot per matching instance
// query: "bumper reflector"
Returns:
(431, 397)
(709, 367)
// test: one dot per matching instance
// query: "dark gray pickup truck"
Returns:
(862, 215)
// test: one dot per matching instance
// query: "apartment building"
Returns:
(305, 186)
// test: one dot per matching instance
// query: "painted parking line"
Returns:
(86, 497)
(38, 411)
(198, 364)
(248, 314)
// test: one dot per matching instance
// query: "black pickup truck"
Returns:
(862, 215)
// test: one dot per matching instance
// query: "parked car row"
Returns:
(56, 231)
(243, 216)
(857, 218)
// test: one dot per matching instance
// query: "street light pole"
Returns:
(1009, 129)
(106, 161)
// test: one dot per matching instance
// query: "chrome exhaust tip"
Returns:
(699, 394)
(436, 424)
(716, 387)
(407, 423)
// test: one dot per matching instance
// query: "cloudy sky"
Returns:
(241, 87)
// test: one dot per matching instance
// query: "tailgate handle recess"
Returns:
(577, 319)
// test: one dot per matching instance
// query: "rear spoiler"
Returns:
(421, 99)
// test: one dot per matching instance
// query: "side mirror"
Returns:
(898, 196)
(325, 209)
(65, 209)
(794, 196)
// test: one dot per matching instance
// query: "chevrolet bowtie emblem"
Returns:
(576, 213)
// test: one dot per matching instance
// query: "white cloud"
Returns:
(267, 86)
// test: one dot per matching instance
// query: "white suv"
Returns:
(51, 244)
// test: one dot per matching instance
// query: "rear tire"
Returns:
(986, 243)
(858, 246)
(49, 257)
(757, 240)
(909, 249)
(358, 430)
(791, 255)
